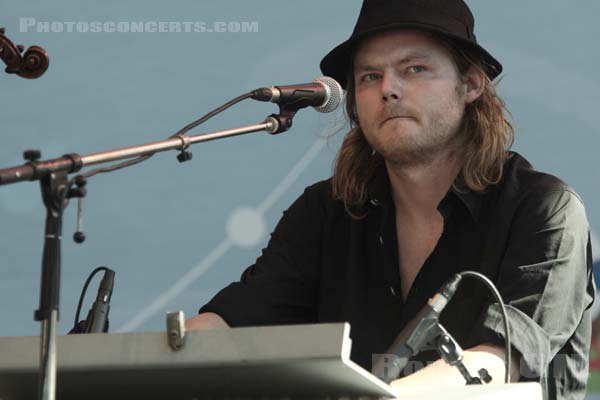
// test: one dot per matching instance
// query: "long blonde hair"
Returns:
(486, 132)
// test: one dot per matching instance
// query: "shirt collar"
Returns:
(380, 195)
(471, 200)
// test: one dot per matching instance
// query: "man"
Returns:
(423, 187)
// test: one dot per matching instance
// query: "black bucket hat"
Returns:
(450, 18)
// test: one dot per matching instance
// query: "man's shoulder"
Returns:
(534, 195)
(321, 193)
(320, 188)
(522, 180)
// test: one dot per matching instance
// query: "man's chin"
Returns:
(394, 129)
(402, 156)
(408, 154)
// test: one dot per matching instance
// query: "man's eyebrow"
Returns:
(413, 56)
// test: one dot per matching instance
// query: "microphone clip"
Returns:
(451, 352)
(185, 154)
(430, 335)
(283, 121)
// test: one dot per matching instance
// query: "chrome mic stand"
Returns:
(56, 190)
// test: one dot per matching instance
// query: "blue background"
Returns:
(177, 233)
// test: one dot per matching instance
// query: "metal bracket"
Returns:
(176, 329)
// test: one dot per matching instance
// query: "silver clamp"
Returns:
(176, 329)
(272, 124)
(185, 154)
(185, 140)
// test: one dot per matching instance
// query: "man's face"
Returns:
(409, 96)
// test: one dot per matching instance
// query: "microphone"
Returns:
(97, 319)
(419, 331)
(324, 94)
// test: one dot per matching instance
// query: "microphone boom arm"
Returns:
(36, 170)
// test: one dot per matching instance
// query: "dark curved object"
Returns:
(32, 64)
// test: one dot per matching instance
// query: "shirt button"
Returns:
(392, 290)
(381, 240)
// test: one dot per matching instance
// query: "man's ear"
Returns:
(474, 84)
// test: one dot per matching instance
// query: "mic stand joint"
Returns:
(283, 119)
(185, 154)
(452, 353)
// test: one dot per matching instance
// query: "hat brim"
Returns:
(336, 63)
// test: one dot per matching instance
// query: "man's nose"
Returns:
(391, 88)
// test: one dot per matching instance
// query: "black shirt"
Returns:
(528, 234)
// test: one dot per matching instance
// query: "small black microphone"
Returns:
(97, 319)
(324, 94)
(418, 332)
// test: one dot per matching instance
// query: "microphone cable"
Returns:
(81, 179)
(507, 347)
(425, 327)
(182, 131)
(78, 326)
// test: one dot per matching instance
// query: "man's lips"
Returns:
(394, 117)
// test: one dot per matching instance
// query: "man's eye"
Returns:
(370, 77)
(416, 69)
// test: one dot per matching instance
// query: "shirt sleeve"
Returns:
(545, 279)
(282, 286)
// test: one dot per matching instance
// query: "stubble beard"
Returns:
(409, 149)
